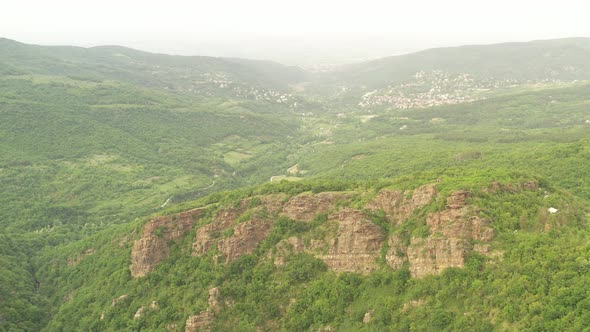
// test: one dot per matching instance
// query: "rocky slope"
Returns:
(153, 246)
(204, 319)
(424, 231)
(348, 241)
(451, 233)
(297, 258)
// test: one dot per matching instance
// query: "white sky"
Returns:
(295, 31)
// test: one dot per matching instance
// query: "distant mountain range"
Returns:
(121, 63)
(565, 59)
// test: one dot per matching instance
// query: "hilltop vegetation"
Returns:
(142, 68)
(276, 285)
(563, 59)
(96, 142)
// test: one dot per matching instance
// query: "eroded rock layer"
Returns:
(349, 241)
(357, 244)
(447, 245)
(400, 205)
(305, 207)
(152, 247)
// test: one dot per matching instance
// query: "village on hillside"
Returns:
(437, 87)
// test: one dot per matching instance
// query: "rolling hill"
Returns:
(564, 59)
(142, 68)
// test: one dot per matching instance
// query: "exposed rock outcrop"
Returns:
(353, 247)
(413, 304)
(368, 316)
(396, 255)
(460, 220)
(305, 207)
(448, 243)
(208, 234)
(399, 205)
(349, 241)
(152, 247)
(246, 238)
(120, 299)
(273, 204)
(357, 244)
(138, 313)
(433, 255)
(457, 200)
(204, 319)
(213, 300)
(200, 322)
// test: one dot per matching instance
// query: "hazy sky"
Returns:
(296, 31)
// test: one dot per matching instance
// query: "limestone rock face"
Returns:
(204, 319)
(305, 207)
(138, 313)
(449, 241)
(460, 220)
(207, 234)
(357, 244)
(433, 255)
(353, 247)
(396, 255)
(214, 299)
(120, 299)
(349, 241)
(398, 205)
(246, 238)
(457, 199)
(171, 327)
(200, 322)
(152, 247)
(273, 204)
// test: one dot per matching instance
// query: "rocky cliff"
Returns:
(152, 247)
(424, 231)
(348, 241)
(400, 205)
(451, 233)
(305, 207)
(233, 239)
(357, 244)
(204, 319)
